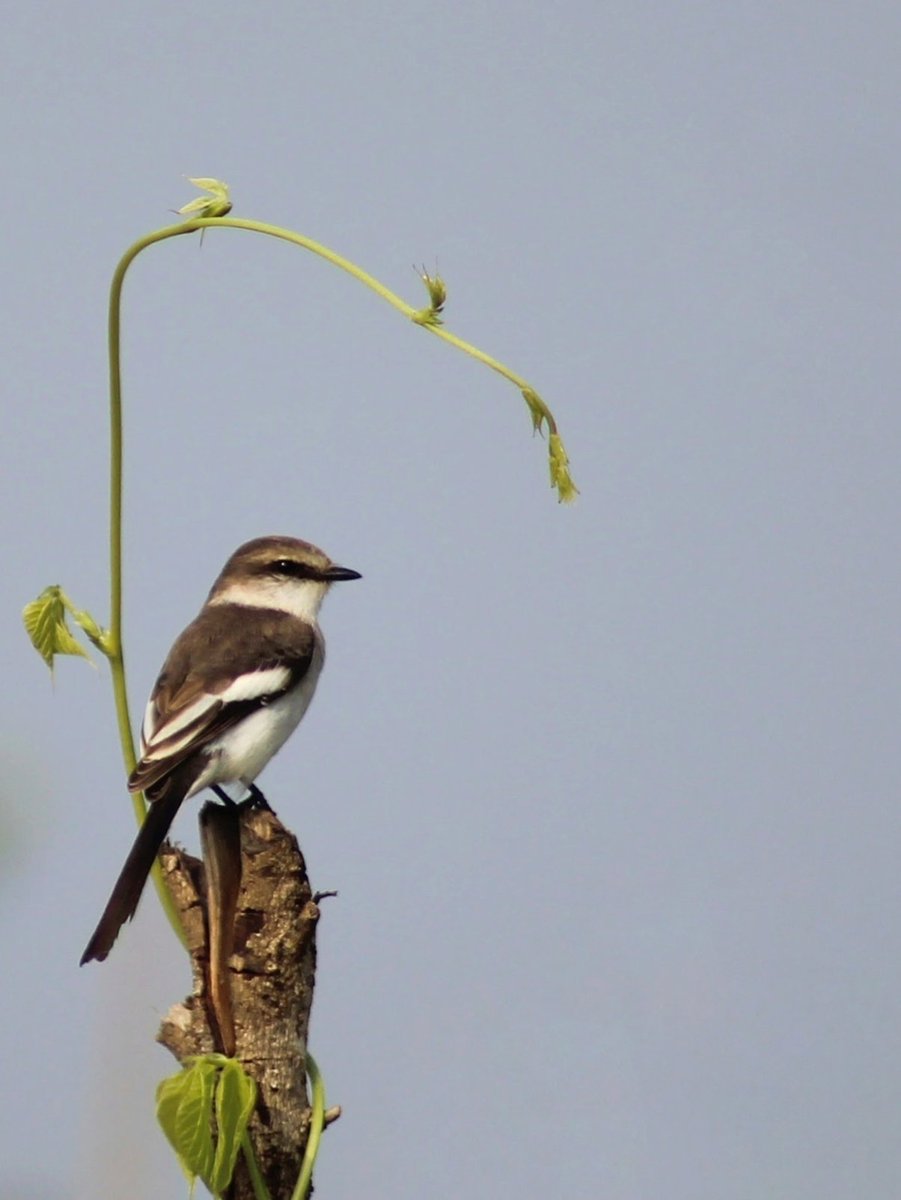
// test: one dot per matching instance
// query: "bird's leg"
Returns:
(257, 799)
(223, 796)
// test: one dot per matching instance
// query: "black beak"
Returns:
(335, 574)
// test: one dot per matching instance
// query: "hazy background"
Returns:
(609, 792)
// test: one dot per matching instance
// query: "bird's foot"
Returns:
(257, 799)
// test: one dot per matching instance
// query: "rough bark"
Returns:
(271, 973)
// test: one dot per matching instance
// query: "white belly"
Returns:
(242, 752)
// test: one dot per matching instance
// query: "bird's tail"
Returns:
(127, 892)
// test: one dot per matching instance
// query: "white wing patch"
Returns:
(152, 733)
(148, 725)
(157, 739)
(255, 684)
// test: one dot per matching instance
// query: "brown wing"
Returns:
(229, 661)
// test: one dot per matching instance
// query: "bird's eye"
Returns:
(287, 566)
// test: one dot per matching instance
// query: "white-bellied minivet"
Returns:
(233, 688)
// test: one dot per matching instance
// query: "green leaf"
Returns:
(215, 204)
(559, 467)
(437, 290)
(45, 624)
(236, 1095)
(538, 410)
(185, 1105)
(168, 1099)
(184, 1109)
(193, 1128)
(86, 622)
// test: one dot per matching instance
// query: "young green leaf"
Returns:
(236, 1095)
(184, 1109)
(168, 1098)
(215, 204)
(192, 1123)
(559, 466)
(538, 410)
(437, 290)
(88, 625)
(45, 624)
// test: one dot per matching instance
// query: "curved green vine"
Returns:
(46, 617)
(317, 1124)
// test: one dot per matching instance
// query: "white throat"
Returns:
(301, 598)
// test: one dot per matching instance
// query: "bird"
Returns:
(232, 689)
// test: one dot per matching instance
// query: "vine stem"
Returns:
(427, 318)
(344, 264)
(317, 1124)
(113, 639)
(112, 643)
(257, 1182)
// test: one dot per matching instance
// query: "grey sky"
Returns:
(609, 792)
